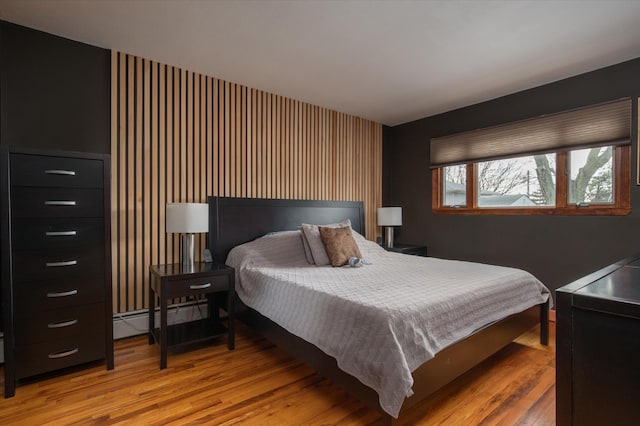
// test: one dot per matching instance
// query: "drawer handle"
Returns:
(63, 354)
(62, 294)
(65, 263)
(61, 172)
(61, 324)
(61, 233)
(199, 286)
(59, 203)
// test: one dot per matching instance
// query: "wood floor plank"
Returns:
(258, 384)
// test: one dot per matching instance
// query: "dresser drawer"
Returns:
(57, 264)
(55, 233)
(60, 324)
(56, 202)
(33, 297)
(194, 286)
(49, 356)
(42, 170)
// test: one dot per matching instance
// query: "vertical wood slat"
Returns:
(115, 106)
(215, 158)
(137, 176)
(129, 242)
(162, 149)
(202, 195)
(180, 136)
(153, 214)
(168, 164)
(145, 201)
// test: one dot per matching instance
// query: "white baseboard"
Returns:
(136, 323)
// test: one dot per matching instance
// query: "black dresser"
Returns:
(56, 261)
(598, 347)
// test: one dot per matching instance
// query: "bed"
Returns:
(234, 221)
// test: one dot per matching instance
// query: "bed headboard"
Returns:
(234, 221)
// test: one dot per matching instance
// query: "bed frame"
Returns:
(234, 221)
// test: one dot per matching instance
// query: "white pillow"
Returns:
(307, 249)
(368, 249)
(311, 235)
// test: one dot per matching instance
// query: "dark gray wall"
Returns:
(55, 93)
(556, 249)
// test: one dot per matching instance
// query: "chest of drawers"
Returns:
(56, 260)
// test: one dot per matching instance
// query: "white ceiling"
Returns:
(387, 61)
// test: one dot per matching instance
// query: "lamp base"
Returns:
(389, 236)
(187, 248)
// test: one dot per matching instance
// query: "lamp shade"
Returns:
(187, 218)
(390, 216)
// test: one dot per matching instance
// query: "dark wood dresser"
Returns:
(56, 261)
(598, 347)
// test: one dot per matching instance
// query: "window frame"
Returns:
(622, 192)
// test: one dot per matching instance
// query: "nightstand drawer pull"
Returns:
(63, 354)
(65, 263)
(61, 324)
(60, 172)
(62, 294)
(59, 203)
(199, 286)
(61, 233)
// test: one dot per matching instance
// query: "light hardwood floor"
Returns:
(259, 384)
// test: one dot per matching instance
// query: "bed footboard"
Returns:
(447, 365)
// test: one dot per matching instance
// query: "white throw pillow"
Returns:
(307, 249)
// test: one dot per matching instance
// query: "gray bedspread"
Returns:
(381, 321)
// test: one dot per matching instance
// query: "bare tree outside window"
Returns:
(591, 173)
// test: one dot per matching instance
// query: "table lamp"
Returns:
(187, 219)
(389, 217)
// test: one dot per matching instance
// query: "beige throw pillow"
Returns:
(339, 244)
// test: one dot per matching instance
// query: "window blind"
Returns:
(603, 124)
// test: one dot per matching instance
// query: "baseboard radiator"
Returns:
(137, 322)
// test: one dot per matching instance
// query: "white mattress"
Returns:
(381, 321)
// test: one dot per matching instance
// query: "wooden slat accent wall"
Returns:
(178, 136)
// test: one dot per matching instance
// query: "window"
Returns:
(589, 181)
(573, 162)
(591, 176)
(455, 185)
(522, 181)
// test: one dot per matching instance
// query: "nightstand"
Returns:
(408, 249)
(171, 281)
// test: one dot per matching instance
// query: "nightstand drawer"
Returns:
(202, 285)
(59, 324)
(43, 170)
(34, 297)
(54, 233)
(57, 264)
(49, 356)
(57, 202)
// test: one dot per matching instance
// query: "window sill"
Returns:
(538, 211)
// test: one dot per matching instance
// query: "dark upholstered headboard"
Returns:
(234, 221)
